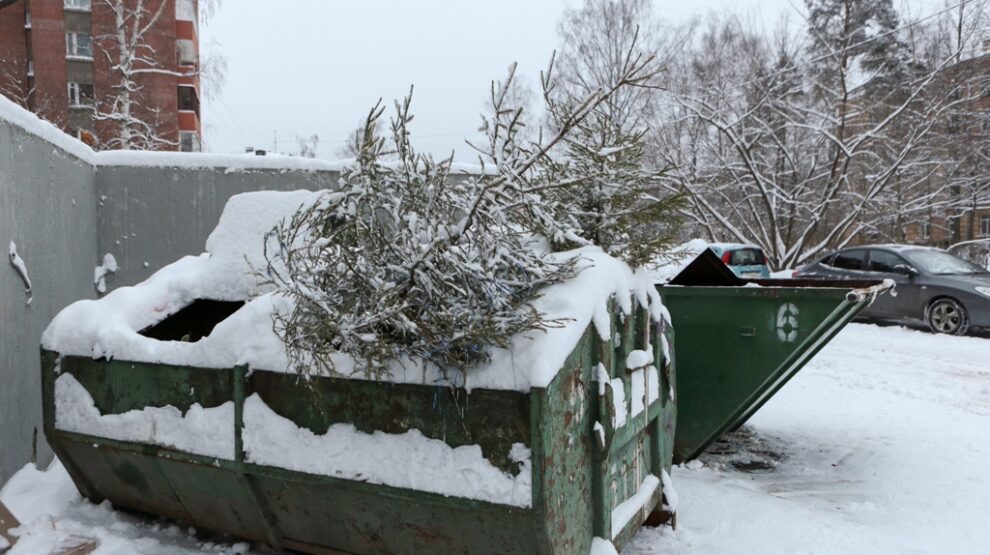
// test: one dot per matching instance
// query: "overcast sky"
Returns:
(299, 67)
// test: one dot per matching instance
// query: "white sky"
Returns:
(301, 67)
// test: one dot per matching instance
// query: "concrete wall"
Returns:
(151, 216)
(48, 208)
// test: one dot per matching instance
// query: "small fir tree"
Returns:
(407, 262)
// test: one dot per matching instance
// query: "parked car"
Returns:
(747, 261)
(947, 293)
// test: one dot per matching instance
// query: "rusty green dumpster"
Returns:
(582, 457)
(738, 342)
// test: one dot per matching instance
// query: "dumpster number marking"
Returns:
(787, 323)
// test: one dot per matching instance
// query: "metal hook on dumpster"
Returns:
(860, 295)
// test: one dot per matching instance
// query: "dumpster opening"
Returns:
(193, 321)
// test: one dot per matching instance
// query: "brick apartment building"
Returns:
(56, 60)
(956, 195)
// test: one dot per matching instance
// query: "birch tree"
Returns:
(132, 59)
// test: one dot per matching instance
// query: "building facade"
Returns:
(118, 74)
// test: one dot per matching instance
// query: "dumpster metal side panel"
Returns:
(288, 509)
(495, 420)
(737, 346)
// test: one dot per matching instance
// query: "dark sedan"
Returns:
(947, 293)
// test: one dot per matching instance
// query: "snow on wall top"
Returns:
(16, 115)
(29, 122)
(109, 327)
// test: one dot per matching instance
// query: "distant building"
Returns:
(951, 206)
(54, 61)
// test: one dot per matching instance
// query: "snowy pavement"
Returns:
(883, 444)
(886, 438)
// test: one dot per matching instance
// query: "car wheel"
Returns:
(947, 316)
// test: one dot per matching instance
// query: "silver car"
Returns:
(947, 293)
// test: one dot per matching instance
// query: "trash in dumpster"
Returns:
(564, 437)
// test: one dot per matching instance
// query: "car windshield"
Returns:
(939, 262)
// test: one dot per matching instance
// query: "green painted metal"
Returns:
(576, 482)
(737, 346)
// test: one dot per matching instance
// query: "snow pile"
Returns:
(18, 263)
(200, 431)
(109, 327)
(408, 460)
(101, 272)
(31, 492)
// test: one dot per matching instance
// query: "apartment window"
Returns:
(187, 99)
(185, 52)
(926, 230)
(78, 5)
(188, 141)
(80, 94)
(79, 45)
(984, 225)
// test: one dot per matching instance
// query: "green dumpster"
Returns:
(738, 342)
(584, 473)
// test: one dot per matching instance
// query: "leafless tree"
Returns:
(792, 141)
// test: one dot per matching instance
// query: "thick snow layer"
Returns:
(625, 511)
(202, 431)
(408, 460)
(18, 263)
(109, 327)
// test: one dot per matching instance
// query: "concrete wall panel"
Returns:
(48, 209)
(152, 216)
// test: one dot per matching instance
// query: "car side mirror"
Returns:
(905, 269)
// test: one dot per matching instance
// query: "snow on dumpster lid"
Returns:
(110, 327)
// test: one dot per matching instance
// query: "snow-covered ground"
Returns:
(884, 444)
(886, 437)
